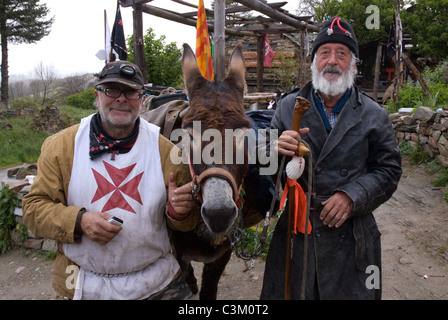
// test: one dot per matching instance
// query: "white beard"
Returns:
(333, 89)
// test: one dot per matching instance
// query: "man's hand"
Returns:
(287, 143)
(180, 198)
(336, 210)
(96, 227)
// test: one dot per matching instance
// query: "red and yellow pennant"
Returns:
(203, 50)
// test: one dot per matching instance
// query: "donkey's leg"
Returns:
(210, 276)
(191, 279)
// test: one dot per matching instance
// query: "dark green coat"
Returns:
(361, 157)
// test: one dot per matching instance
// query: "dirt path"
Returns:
(414, 227)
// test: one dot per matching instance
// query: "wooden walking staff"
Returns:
(301, 106)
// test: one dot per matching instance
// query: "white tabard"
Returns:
(138, 261)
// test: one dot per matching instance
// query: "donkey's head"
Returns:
(216, 122)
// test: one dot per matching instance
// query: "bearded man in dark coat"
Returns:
(357, 167)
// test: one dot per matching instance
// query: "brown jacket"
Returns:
(45, 210)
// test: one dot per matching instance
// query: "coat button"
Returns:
(343, 172)
(317, 233)
(318, 170)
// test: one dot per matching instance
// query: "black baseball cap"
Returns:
(124, 72)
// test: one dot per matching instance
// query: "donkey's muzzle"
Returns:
(219, 220)
(218, 210)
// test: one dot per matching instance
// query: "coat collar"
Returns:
(349, 117)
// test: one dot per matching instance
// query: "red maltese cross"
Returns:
(117, 200)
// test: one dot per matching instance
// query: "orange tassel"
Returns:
(299, 206)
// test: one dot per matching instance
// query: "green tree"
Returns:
(354, 11)
(425, 20)
(21, 21)
(427, 23)
(163, 62)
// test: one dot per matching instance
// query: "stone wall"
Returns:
(425, 128)
(20, 179)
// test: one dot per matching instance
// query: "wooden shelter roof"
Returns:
(278, 20)
(231, 21)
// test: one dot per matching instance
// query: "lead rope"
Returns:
(237, 237)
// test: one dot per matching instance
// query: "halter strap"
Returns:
(208, 173)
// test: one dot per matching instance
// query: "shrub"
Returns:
(25, 102)
(412, 94)
(83, 99)
(8, 202)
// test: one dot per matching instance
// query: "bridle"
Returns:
(218, 172)
(208, 173)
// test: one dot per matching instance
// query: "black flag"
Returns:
(118, 42)
(391, 40)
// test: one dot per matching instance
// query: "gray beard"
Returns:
(335, 88)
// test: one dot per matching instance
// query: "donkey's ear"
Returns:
(237, 69)
(190, 70)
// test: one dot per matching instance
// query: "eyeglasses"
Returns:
(115, 93)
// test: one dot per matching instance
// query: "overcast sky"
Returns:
(78, 33)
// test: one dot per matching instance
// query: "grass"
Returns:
(22, 144)
(434, 167)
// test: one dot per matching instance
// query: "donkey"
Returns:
(216, 105)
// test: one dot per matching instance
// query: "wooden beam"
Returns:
(271, 28)
(236, 9)
(139, 54)
(265, 9)
(274, 5)
(172, 16)
(379, 51)
(260, 63)
(130, 3)
(417, 74)
(219, 39)
(186, 4)
(166, 14)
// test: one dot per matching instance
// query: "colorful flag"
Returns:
(118, 42)
(269, 54)
(203, 50)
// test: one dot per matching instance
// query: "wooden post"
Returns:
(105, 36)
(379, 50)
(219, 40)
(301, 106)
(139, 54)
(398, 50)
(260, 63)
(417, 74)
